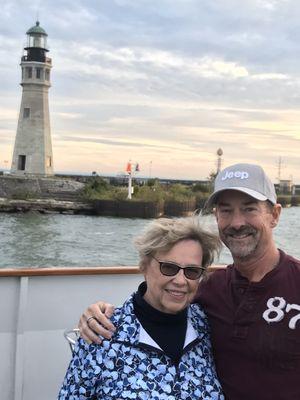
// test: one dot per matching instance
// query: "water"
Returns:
(36, 240)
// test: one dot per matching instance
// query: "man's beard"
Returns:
(244, 247)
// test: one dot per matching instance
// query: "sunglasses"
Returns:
(169, 268)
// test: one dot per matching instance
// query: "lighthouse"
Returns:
(33, 149)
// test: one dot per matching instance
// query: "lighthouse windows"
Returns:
(29, 72)
(37, 41)
(39, 72)
(47, 74)
(26, 112)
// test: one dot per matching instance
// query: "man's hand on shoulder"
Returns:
(95, 321)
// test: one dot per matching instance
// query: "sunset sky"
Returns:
(164, 83)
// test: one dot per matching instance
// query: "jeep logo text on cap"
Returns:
(235, 174)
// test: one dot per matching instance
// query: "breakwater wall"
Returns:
(289, 200)
(15, 187)
(42, 194)
(52, 194)
(144, 209)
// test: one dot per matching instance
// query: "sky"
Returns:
(163, 83)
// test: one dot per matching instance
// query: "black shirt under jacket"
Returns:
(167, 330)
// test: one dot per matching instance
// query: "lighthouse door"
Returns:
(21, 162)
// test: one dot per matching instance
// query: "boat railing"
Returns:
(71, 336)
(56, 271)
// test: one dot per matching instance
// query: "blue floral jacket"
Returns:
(132, 366)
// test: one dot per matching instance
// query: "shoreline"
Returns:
(113, 208)
(45, 206)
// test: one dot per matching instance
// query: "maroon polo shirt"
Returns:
(255, 330)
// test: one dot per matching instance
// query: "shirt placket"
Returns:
(246, 297)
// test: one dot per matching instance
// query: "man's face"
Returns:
(245, 224)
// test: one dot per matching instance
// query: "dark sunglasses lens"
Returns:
(192, 273)
(169, 269)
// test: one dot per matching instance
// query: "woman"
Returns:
(161, 348)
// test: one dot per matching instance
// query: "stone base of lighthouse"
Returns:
(33, 149)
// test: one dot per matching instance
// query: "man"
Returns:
(253, 305)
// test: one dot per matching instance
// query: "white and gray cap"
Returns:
(247, 178)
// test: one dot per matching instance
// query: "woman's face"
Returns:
(171, 294)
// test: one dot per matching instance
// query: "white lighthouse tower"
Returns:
(33, 148)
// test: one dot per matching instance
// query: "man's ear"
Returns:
(214, 210)
(276, 211)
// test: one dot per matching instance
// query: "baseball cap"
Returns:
(247, 178)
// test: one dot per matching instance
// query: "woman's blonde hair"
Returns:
(162, 234)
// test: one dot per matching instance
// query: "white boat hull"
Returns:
(35, 312)
(36, 307)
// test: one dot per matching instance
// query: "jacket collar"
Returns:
(129, 329)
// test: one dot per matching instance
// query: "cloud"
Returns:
(169, 81)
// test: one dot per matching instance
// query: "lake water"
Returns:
(36, 240)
